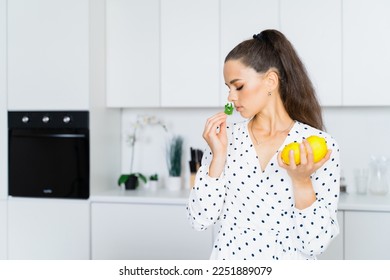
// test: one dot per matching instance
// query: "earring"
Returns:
(269, 93)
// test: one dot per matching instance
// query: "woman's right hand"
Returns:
(215, 135)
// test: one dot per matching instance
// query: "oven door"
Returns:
(49, 163)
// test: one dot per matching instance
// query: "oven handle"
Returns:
(52, 135)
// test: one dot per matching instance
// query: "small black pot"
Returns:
(131, 183)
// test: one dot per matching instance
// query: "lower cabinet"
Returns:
(146, 231)
(48, 229)
(3, 230)
(335, 251)
(367, 235)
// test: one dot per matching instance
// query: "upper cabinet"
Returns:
(170, 53)
(314, 28)
(48, 54)
(366, 52)
(133, 53)
(162, 53)
(190, 53)
(237, 26)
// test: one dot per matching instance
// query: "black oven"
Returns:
(49, 154)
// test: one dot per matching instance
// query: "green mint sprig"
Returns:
(229, 108)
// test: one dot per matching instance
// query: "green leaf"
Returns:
(229, 108)
(123, 179)
(142, 177)
(174, 156)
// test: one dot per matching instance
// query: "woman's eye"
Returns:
(240, 87)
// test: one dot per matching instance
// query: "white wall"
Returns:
(360, 132)
(105, 123)
(3, 104)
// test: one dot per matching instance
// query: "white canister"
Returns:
(173, 183)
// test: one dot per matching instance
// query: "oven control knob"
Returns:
(66, 119)
(25, 119)
(45, 119)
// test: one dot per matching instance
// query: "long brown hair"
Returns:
(271, 49)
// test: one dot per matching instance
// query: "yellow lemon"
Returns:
(286, 153)
(318, 145)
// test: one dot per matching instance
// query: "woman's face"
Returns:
(247, 88)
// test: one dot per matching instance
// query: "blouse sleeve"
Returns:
(206, 197)
(317, 225)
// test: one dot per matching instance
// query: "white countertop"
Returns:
(159, 196)
(364, 202)
(353, 202)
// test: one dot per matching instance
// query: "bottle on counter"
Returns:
(378, 180)
(343, 185)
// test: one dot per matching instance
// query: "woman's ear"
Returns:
(272, 80)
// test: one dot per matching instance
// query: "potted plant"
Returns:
(132, 180)
(153, 182)
(174, 162)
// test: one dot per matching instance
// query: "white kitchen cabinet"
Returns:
(190, 69)
(367, 235)
(48, 54)
(238, 25)
(335, 251)
(146, 231)
(314, 28)
(366, 52)
(48, 229)
(3, 229)
(133, 53)
(3, 102)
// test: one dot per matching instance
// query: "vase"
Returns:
(152, 185)
(131, 183)
(173, 183)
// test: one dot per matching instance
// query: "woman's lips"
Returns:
(238, 108)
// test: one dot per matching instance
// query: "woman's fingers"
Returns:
(291, 156)
(307, 156)
(307, 165)
(325, 159)
(212, 125)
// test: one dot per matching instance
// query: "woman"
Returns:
(264, 208)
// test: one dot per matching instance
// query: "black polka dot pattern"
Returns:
(254, 210)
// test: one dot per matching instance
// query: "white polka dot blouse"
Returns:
(253, 210)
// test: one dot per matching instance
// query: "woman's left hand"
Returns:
(303, 171)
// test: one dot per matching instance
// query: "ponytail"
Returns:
(271, 49)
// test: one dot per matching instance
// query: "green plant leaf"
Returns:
(123, 179)
(142, 177)
(229, 108)
(174, 156)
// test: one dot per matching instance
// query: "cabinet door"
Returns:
(146, 231)
(3, 229)
(48, 55)
(314, 28)
(3, 102)
(190, 53)
(335, 251)
(48, 229)
(366, 54)
(133, 53)
(367, 235)
(240, 20)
